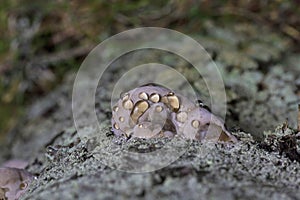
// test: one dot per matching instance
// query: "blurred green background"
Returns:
(40, 41)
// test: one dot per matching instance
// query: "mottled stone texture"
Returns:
(262, 85)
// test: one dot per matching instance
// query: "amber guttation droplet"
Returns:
(165, 100)
(115, 108)
(23, 186)
(121, 119)
(174, 102)
(158, 108)
(171, 101)
(143, 95)
(181, 117)
(138, 110)
(116, 126)
(128, 104)
(124, 96)
(154, 98)
(195, 123)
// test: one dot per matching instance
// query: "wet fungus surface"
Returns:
(13, 182)
(155, 111)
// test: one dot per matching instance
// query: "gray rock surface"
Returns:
(261, 96)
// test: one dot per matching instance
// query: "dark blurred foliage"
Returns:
(42, 40)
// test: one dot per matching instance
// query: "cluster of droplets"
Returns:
(155, 111)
